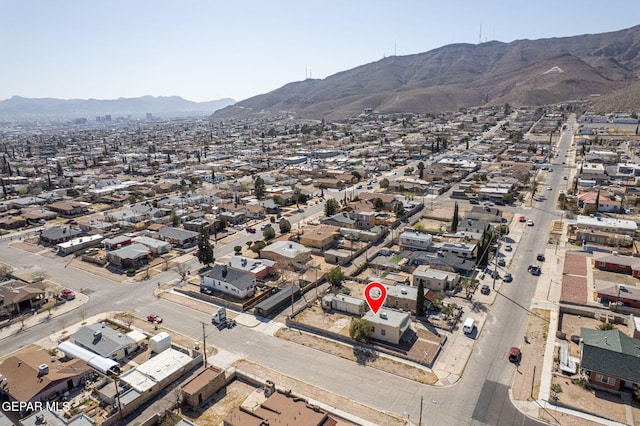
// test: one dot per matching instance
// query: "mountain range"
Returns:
(522, 72)
(29, 109)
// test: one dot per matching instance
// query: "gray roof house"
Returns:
(59, 234)
(229, 280)
(105, 341)
(610, 358)
(176, 236)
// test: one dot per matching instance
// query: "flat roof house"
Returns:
(389, 324)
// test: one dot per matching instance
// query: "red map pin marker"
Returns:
(376, 294)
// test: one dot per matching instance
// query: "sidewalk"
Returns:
(33, 320)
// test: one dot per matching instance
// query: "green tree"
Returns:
(269, 233)
(378, 204)
(59, 170)
(437, 299)
(175, 219)
(605, 326)
(598, 201)
(360, 330)
(357, 175)
(420, 170)
(331, 207)
(419, 227)
(205, 248)
(384, 183)
(455, 219)
(237, 249)
(259, 188)
(335, 276)
(285, 226)
(420, 299)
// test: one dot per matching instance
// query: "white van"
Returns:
(469, 323)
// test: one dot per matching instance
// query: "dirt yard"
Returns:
(361, 357)
(216, 408)
(321, 395)
(526, 379)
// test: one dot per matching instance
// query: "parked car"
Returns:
(265, 226)
(501, 262)
(68, 294)
(473, 201)
(540, 257)
(154, 318)
(508, 248)
(508, 277)
(514, 354)
(529, 222)
(485, 289)
(522, 219)
(250, 229)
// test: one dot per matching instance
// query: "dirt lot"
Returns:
(526, 385)
(216, 408)
(361, 357)
(321, 395)
(571, 324)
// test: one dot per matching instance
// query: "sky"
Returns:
(208, 50)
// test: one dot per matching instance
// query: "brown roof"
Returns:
(201, 380)
(16, 291)
(319, 232)
(21, 372)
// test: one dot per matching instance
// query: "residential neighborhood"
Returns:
(462, 217)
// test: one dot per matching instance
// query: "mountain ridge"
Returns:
(461, 75)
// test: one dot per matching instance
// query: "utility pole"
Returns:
(495, 258)
(204, 345)
(420, 418)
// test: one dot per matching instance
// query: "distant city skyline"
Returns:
(206, 50)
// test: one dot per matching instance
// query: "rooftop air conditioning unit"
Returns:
(43, 369)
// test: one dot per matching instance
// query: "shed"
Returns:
(160, 342)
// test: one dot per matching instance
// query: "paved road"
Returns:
(480, 397)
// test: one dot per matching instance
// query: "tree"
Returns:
(449, 309)
(606, 326)
(360, 330)
(335, 277)
(5, 272)
(259, 188)
(384, 183)
(175, 219)
(183, 270)
(285, 226)
(469, 286)
(357, 175)
(59, 170)
(419, 227)
(455, 219)
(420, 299)
(269, 233)
(331, 207)
(378, 204)
(437, 299)
(598, 201)
(205, 249)
(420, 169)
(238, 249)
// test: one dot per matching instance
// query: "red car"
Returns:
(250, 229)
(514, 354)
(68, 294)
(154, 318)
(522, 219)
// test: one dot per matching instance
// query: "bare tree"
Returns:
(82, 313)
(5, 272)
(183, 270)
